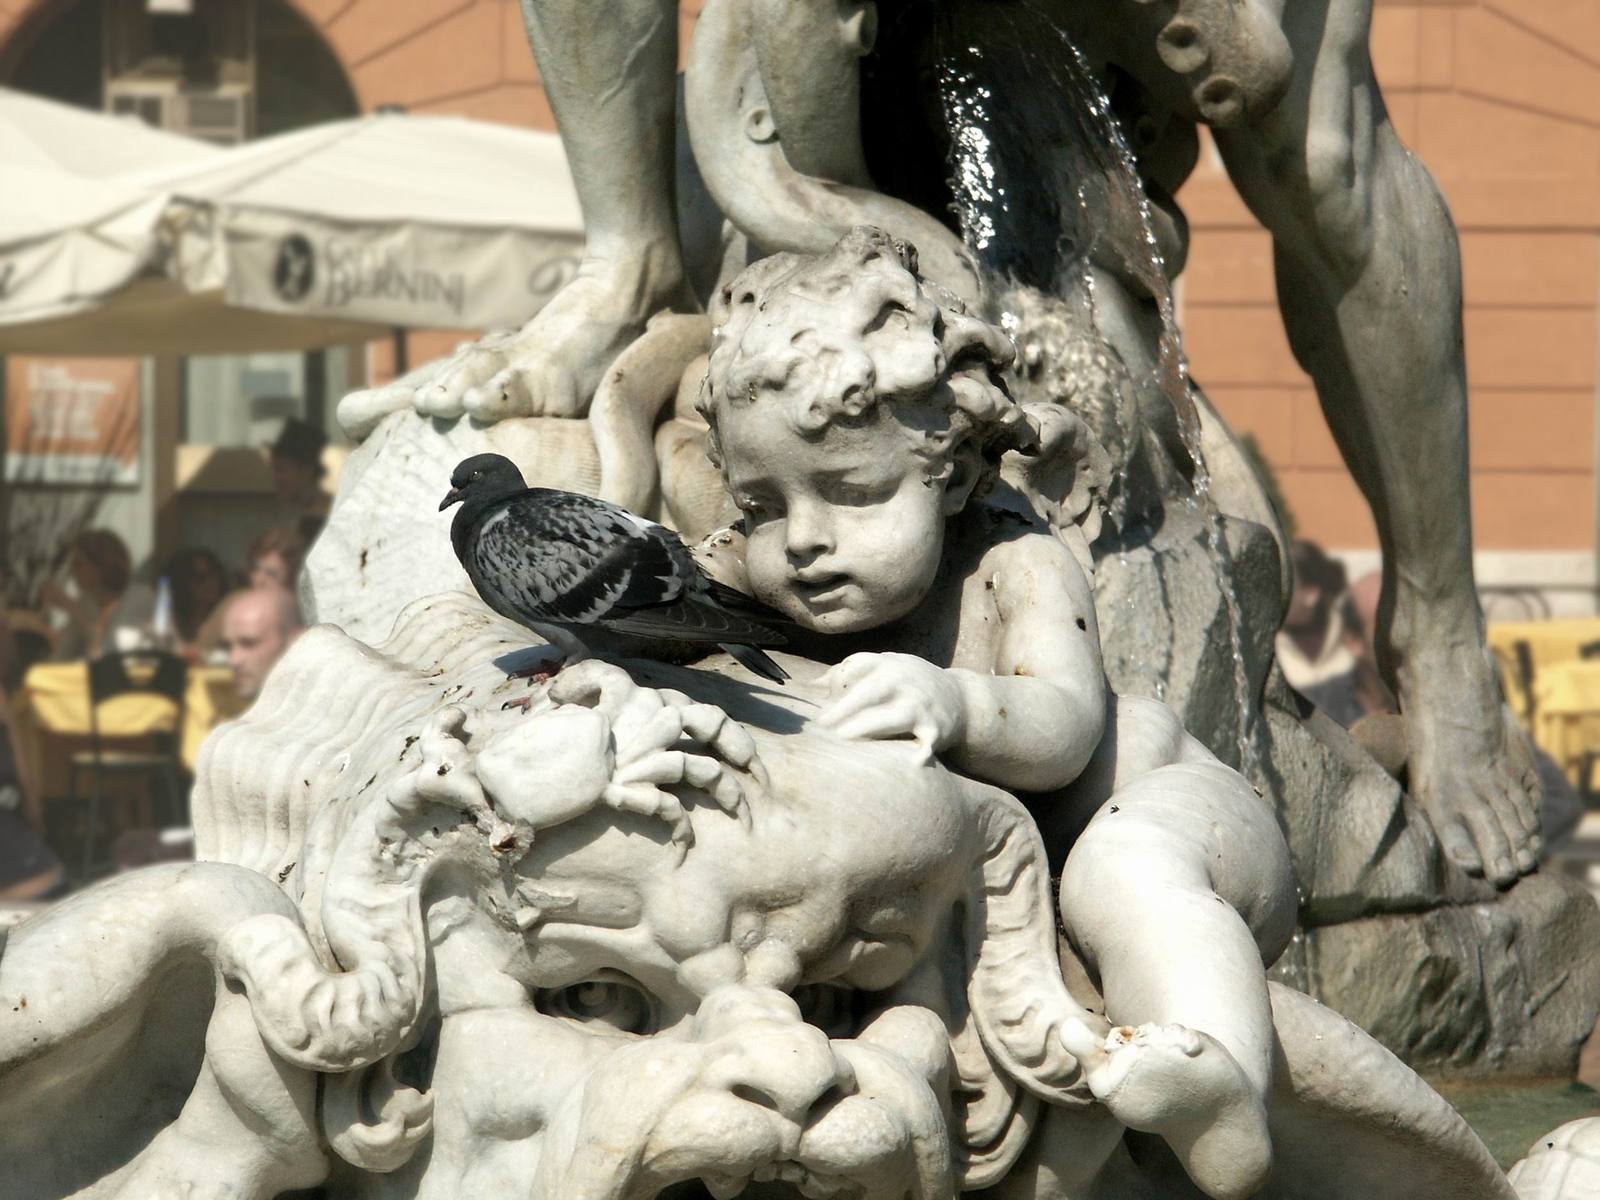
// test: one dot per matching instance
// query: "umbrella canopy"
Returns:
(324, 235)
(38, 133)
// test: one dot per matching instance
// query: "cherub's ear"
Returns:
(966, 471)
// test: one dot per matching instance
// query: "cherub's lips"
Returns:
(814, 585)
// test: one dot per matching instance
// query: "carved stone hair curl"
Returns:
(836, 335)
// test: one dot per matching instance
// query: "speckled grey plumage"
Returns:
(590, 577)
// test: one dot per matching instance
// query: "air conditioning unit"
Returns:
(223, 117)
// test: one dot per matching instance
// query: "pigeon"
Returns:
(591, 577)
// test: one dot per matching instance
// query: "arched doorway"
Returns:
(112, 54)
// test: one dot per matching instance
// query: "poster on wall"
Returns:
(72, 421)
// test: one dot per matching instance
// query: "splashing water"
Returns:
(1045, 193)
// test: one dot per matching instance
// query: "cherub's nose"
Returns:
(774, 1060)
(806, 532)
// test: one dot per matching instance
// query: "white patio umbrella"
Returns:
(36, 133)
(329, 234)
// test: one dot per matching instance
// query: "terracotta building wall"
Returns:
(1501, 98)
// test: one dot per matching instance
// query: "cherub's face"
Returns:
(846, 530)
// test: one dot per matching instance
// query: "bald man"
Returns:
(258, 626)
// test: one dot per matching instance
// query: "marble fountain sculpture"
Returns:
(457, 929)
(946, 912)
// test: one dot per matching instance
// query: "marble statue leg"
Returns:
(810, 56)
(1369, 279)
(610, 81)
(1176, 894)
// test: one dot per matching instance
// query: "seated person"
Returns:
(29, 870)
(275, 558)
(104, 598)
(858, 415)
(258, 625)
(199, 584)
(1315, 649)
(297, 474)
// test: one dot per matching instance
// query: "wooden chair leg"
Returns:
(92, 824)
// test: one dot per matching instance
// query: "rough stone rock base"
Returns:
(1507, 987)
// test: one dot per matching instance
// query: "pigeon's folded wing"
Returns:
(568, 563)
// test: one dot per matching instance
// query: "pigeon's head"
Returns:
(483, 477)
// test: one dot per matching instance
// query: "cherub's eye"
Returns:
(831, 1007)
(858, 495)
(754, 508)
(611, 1002)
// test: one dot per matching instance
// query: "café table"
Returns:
(1567, 726)
(1542, 645)
(50, 713)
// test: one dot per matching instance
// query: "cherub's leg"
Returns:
(608, 73)
(1176, 894)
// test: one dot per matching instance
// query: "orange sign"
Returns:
(72, 420)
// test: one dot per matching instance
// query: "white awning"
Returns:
(324, 235)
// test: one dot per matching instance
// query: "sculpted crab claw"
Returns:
(649, 729)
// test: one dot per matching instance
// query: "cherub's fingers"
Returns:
(637, 710)
(896, 720)
(659, 730)
(851, 671)
(674, 697)
(865, 695)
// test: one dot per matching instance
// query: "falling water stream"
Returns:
(1046, 187)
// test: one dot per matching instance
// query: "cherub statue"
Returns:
(858, 415)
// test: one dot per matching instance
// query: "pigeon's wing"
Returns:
(563, 558)
(691, 619)
(551, 557)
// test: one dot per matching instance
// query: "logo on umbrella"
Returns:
(296, 268)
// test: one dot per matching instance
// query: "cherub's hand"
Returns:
(894, 696)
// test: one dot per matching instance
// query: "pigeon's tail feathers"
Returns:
(692, 620)
(734, 601)
(757, 662)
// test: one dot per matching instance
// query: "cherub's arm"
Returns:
(1035, 721)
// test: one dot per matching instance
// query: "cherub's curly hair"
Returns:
(832, 336)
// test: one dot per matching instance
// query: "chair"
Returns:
(137, 672)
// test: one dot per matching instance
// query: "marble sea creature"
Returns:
(590, 577)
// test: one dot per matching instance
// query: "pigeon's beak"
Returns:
(450, 497)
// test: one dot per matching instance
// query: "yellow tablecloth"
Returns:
(1549, 643)
(51, 714)
(1567, 725)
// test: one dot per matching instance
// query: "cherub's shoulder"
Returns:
(1012, 541)
(1019, 561)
